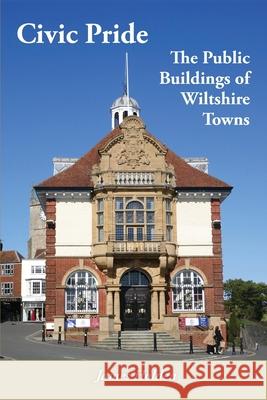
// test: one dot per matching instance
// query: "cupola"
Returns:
(125, 105)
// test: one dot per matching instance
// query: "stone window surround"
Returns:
(145, 208)
(169, 219)
(100, 220)
(109, 213)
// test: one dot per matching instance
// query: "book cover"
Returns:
(133, 198)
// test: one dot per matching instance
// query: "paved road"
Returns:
(20, 342)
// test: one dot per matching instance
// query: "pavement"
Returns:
(22, 341)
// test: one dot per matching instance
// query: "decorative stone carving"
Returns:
(133, 153)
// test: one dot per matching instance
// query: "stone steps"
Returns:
(144, 341)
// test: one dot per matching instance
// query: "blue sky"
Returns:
(56, 101)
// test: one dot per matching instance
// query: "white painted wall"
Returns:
(194, 229)
(73, 228)
(27, 278)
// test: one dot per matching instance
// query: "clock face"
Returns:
(42, 215)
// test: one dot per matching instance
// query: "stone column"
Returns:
(154, 306)
(117, 306)
(117, 321)
(162, 306)
(109, 303)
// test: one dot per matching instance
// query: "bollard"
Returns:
(191, 350)
(43, 333)
(119, 340)
(233, 348)
(155, 341)
(241, 346)
(85, 337)
(59, 335)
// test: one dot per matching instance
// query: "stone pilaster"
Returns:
(162, 306)
(154, 306)
(117, 321)
(109, 302)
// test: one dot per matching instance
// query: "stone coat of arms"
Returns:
(133, 153)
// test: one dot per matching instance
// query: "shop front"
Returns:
(10, 309)
(33, 311)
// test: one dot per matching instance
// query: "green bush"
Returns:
(233, 328)
(246, 298)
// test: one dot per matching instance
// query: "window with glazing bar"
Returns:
(168, 206)
(100, 220)
(134, 218)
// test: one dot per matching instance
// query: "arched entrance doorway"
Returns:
(135, 301)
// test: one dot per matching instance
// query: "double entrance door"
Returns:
(135, 308)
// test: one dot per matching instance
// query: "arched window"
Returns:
(116, 119)
(135, 205)
(134, 278)
(81, 293)
(135, 219)
(188, 292)
(125, 114)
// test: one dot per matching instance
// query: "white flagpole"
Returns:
(127, 83)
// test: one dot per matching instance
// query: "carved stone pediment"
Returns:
(133, 133)
(132, 157)
(133, 152)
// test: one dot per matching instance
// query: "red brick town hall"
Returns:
(133, 237)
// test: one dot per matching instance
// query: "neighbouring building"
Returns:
(10, 285)
(133, 236)
(37, 227)
(33, 282)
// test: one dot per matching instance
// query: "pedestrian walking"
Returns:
(218, 338)
(209, 341)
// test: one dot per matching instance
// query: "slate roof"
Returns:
(79, 174)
